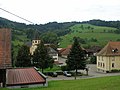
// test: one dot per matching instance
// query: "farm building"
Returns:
(24, 77)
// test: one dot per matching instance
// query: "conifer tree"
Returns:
(23, 57)
(41, 58)
(76, 57)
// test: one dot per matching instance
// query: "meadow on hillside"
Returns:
(92, 35)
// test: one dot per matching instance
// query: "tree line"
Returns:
(41, 59)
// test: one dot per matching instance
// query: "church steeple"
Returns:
(36, 35)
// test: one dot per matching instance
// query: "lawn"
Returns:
(55, 68)
(103, 83)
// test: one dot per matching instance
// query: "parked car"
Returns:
(66, 73)
(53, 74)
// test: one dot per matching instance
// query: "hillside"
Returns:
(93, 32)
(90, 35)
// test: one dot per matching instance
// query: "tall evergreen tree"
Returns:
(76, 57)
(41, 58)
(23, 57)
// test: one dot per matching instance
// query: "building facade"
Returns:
(34, 45)
(53, 53)
(108, 58)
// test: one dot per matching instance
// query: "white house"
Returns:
(108, 58)
(53, 53)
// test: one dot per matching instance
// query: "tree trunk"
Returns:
(75, 73)
(87, 71)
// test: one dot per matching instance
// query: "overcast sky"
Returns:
(44, 11)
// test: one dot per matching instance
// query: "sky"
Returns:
(44, 11)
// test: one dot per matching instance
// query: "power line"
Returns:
(16, 15)
(20, 18)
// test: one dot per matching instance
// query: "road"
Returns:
(92, 74)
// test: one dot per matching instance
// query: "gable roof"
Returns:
(67, 50)
(94, 49)
(111, 49)
(23, 76)
(51, 50)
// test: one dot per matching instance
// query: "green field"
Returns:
(87, 32)
(103, 83)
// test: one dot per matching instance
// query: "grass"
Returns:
(102, 34)
(55, 68)
(103, 83)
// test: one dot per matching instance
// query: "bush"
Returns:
(93, 40)
(93, 60)
(64, 68)
(115, 70)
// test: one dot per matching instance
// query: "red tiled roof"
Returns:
(23, 76)
(111, 49)
(67, 50)
(60, 51)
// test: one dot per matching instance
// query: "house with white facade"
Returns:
(108, 58)
(53, 53)
(34, 45)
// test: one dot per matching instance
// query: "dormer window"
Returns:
(115, 50)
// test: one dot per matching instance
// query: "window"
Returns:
(35, 41)
(98, 64)
(103, 65)
(113, 65)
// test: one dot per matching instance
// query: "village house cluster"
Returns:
(108, 59)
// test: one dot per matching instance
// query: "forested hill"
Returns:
(50, 32)
(115, 24)
(54, 25)
(51, 26)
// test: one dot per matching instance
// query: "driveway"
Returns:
(93, 72)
